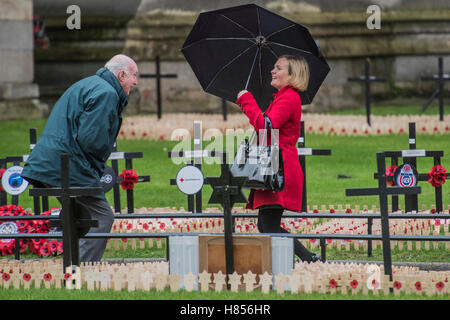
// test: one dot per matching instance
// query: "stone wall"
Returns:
(18, 93)
(412, 35)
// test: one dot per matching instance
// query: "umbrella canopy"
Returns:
(236, 48)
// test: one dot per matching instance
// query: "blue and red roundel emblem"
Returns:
(406, 175)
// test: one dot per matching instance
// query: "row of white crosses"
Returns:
(357, 125)
(344, 278)
(173, 126)
(304, 278)
(293, 225)
(147, 128)
(397, 227)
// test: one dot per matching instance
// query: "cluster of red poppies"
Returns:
(41, 246)
(130, 178)
(437, 176)
(7, 245)
(390, 171)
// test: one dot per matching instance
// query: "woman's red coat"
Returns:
(285, 113)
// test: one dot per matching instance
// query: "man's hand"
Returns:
(241, 93)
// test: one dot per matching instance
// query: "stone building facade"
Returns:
(18, 93)
(413, 34)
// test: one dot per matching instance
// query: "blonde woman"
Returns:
(289, 76)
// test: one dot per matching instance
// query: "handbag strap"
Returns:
(268, 126)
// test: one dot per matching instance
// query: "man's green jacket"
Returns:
(84, 123)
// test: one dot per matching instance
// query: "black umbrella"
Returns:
(235, 48)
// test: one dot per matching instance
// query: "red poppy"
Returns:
(437, 176)
(440, 285)
(47, 277)
(332, 210)
(354, 284)
(397, 285)
(130, 177)
(6, 276)
(26, 277)
(67, 276)
(418, 285)
(53, 246)
(333, 283)
(348, 210)
(60, 247)
(390, 175)
(44, 250)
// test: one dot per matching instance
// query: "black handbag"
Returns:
(261, 164)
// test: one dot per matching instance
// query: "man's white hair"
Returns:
(119, 63)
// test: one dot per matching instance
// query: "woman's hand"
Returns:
(241, 93)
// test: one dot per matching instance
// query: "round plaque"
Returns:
(190, 179)
(12, 181)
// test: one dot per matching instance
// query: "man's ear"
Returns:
(121, 75)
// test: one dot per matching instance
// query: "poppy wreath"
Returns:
(2, 171)
(7, 246)
(437, 176)
(130, 178)
(390, 173)
(44, 247)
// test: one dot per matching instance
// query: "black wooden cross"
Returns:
(410, 156)
(440, 78)
(114, 157)
(16, 161)
(302, 153)
(158, 76)
(73, 226)
(224, 109)
(227, 191)
(36, 199)
(195, 157)
(367, 79)
(382, 192)
(3, 197)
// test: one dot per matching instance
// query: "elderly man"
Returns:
(84, 123)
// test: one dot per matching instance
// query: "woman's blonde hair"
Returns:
(298, 70)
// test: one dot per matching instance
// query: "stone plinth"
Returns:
(18, 94)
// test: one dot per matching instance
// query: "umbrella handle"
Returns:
(251, 70)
